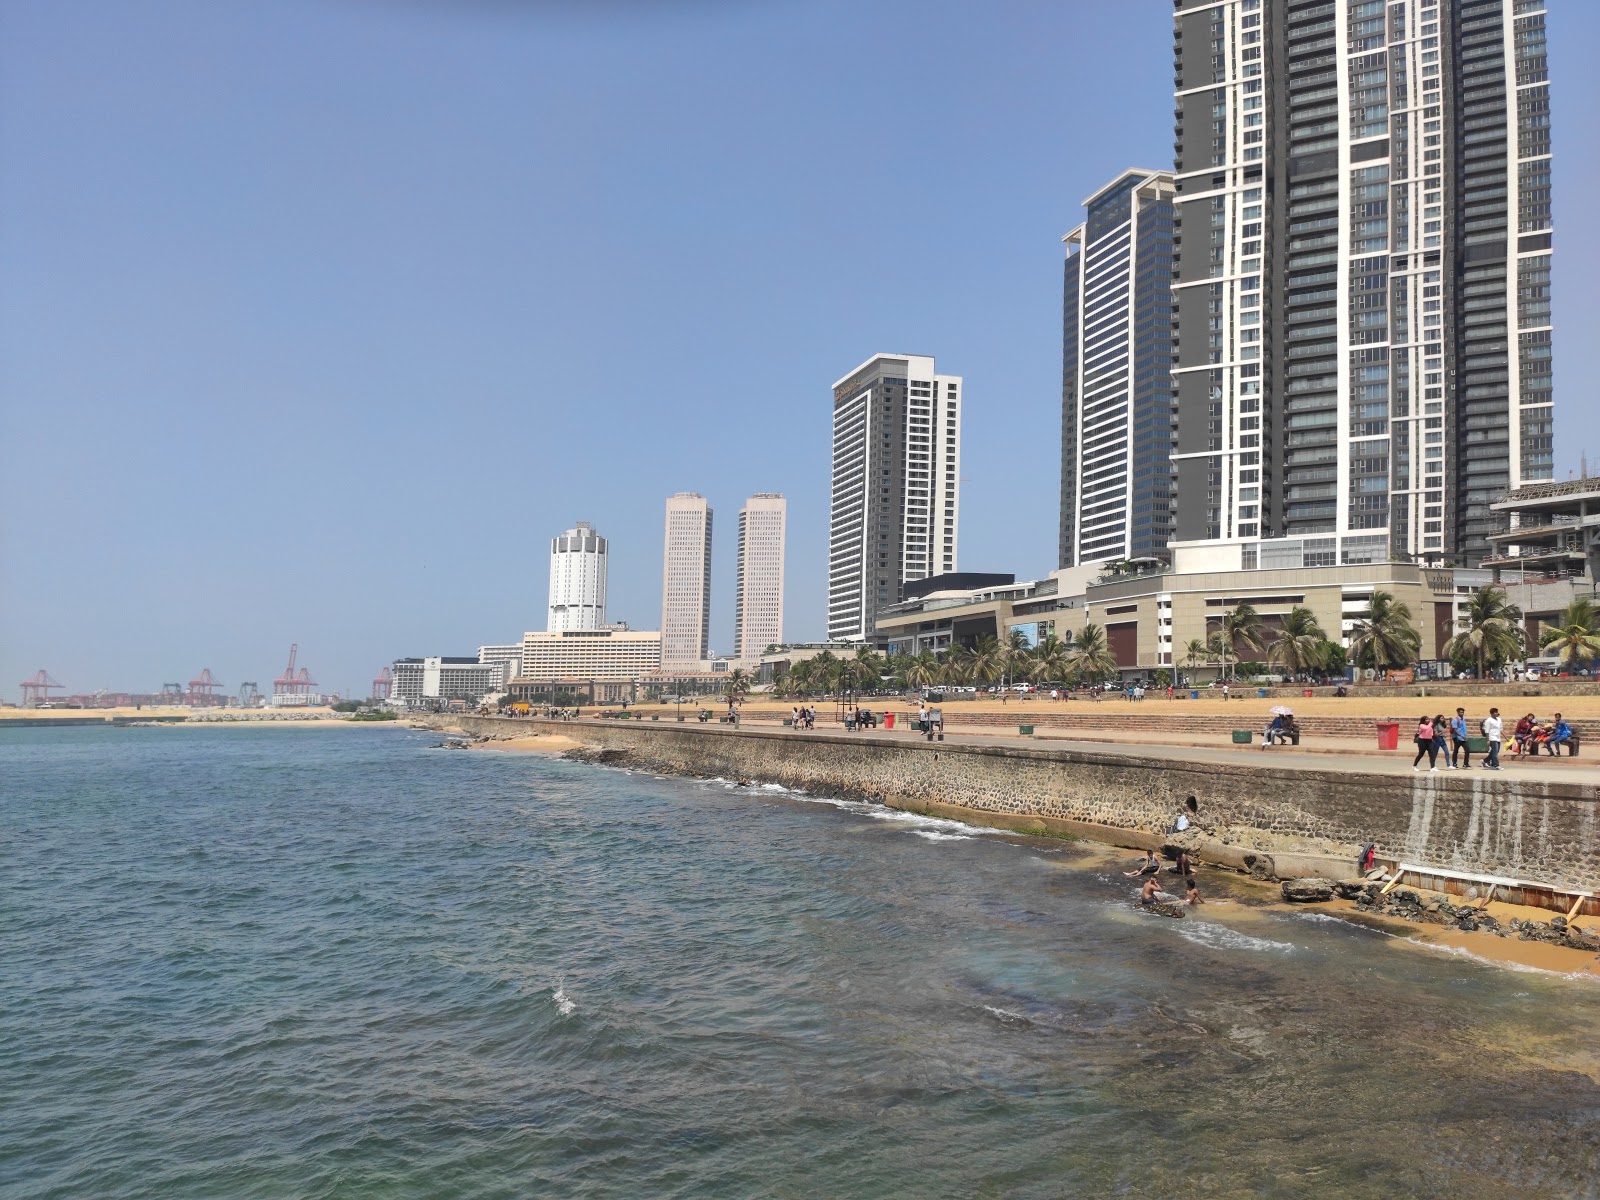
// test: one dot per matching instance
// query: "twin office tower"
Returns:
(1331, 319)
(578, 579)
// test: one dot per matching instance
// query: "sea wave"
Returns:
(564, 1003)
(935, 835)
(1220, 937)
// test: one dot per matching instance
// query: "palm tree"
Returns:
(923, 670)
(737, 684)
(1241, 628)
(1051, 660)
(1092, 656)
(1385, 633)
(1491, 629)
(1195, 653)
(1015, 656)
(1577, 637)
(986, 660)
(1299, 643)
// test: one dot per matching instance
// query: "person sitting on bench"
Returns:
(1560, 732)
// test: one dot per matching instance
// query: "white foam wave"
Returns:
(1005, 1016)
(934, 835)
(1220, 937)
(564, 1003)
(919, 821)
(1524, 968)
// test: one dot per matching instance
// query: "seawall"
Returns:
(1275, 820)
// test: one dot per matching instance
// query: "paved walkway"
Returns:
(1354, 760)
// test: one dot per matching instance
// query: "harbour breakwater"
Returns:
(1273, 820)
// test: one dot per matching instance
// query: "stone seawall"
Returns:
(1276, 820)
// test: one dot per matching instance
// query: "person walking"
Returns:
(1459, 746)
(1424, 740)
(1491, 734)
(1441, 738)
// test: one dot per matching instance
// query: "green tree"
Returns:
(1091, 655)
(1051, 660)
(1241, 629)
(737, 684)
(984, 660)
(1298, 644)
(1195, 653)
(1577, 634)
(1490, 630)
(1384, 636)
(923, 670)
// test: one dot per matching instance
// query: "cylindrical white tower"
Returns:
(577, 580)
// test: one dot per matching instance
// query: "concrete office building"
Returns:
(1363, 286)
(758, 596)
(686, 581)
(422, 681)
(895, 504)
(585, 655)
(1117, 418)
(509, 659)
(577, 580)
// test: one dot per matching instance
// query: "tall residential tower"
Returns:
(686, 582)
(758, 600)
(896, 471)
(1117, 416)
(1363, 290)
(577, 580)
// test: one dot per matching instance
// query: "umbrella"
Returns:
(1281, 710)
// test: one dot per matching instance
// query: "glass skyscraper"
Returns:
(1363, 283)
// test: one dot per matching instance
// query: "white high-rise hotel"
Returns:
(1363, 284)
(577, 580)
(758, 599)
(895, 503)
(686, 582)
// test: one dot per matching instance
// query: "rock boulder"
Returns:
(1307, 891)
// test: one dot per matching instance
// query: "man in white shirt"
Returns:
(1491, 734)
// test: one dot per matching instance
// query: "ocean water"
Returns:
(344, 963)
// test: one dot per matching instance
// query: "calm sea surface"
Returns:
(268, 962)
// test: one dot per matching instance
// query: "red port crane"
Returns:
(292, 682)
(204, 689)
(37, 690)
(382, 684)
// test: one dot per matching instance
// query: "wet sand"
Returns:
(534, 743)
(1235, 899)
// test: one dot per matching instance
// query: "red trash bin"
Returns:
(1388, 735)
(888, 721)
(1306, 693)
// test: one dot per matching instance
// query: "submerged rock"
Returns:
(1166, 908)
(1307, 891)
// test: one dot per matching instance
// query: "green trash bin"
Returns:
(787, 721)
(1478, 745)
(1025, 730)
(1242, 737)
(655, 716)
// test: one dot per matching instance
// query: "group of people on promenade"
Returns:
(1435, 732)
(804, 716)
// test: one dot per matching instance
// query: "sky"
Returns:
(319, 319)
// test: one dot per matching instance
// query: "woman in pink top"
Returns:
(1426, 745)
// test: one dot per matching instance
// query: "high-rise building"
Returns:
(686, 581)
(758, 599)
(1363, 286)
(577, 580)
(1117, 418)
(896, 471)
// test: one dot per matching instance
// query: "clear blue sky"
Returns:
(317, 320)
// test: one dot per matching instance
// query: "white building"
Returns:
(585, 655)
(1363, 279)
(577, 580)
(686, 581)
(896, 486)
(1117, 417)
(758, 598)
(509, 659)
(420, 680)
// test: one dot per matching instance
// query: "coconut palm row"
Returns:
(1081, 657)
(1383, 637)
